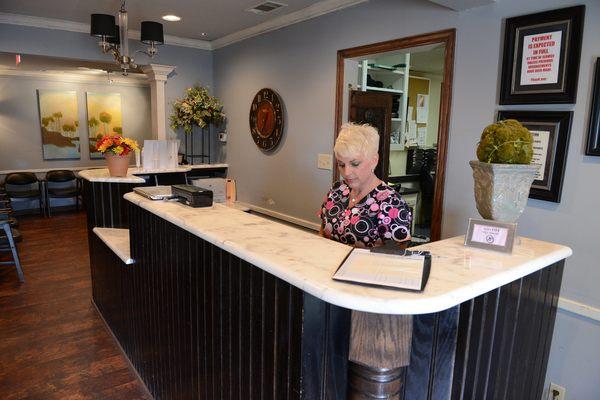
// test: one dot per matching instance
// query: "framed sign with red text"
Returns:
(541, 57)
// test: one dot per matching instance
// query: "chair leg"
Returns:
(13, 249)
(48, 206)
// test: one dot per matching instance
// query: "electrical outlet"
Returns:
(556, 392)
(324, 161)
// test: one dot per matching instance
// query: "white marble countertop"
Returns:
(201, 166)
(139, 171)
(308, 261)
(102, 175)
(117, 240)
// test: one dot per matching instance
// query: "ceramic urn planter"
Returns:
(117, 165)
(501, 190)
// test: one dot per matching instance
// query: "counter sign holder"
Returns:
(491, 235)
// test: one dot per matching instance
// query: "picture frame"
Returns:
(491, 235)
(593, 140)
(541, 57)
(551, 131)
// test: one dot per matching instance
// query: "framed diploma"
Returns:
(551, 131)
(593, 141)
(541, 57)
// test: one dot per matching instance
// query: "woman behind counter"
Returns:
(361, 210)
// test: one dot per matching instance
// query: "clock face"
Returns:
(266, 119)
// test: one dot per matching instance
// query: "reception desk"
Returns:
(216, 303)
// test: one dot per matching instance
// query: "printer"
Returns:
(193, 196)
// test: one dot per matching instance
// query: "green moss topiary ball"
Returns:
(505, 142)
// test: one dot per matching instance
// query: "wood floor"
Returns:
(53, 344)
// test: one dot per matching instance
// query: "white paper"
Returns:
(411, 136)
(489, 235)
(412, 130)
(541, 57)
(421, 136)
(409, 117)
(382, 269)
(160, 154)
(422, 108)
(540, 149)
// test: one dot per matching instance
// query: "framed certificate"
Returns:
(593, 141)
(551, 131)
(541, 57)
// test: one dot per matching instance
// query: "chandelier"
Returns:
(113, 37)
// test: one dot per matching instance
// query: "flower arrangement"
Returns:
(197, 108)
(117, 145)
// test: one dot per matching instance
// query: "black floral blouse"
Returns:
(379, 216)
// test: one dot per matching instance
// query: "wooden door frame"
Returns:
(448, 37)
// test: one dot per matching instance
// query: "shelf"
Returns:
(383, 70)
(397, 147)
(396, 119)
(378, 89)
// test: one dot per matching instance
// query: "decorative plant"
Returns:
(505, 142)
(197, 108)
(116, 145)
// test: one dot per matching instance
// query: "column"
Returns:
(380, 348)
(157, 76)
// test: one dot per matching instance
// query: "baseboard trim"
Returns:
(581, 309)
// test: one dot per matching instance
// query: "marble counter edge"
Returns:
(343, 294)
(117, 240)
(207, 166)
(101, 175)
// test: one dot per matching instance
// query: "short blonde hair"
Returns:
(355, 139)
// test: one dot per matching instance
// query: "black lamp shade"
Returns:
(116, 39)
(102, 25)
(152, 32)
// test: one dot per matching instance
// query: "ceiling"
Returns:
(214, 18)
(205, 24)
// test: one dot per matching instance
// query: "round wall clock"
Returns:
(266, 119)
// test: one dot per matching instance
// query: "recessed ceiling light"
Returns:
(203, 34)
(172, 18)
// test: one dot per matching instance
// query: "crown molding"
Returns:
(316, 10)
(137, 80)
(70, 26)
(462, 5)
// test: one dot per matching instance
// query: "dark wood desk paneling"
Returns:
(200, 323)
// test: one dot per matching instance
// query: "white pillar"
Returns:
(157, 76)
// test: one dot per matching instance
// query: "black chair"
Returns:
(24, 185)
(62, 184)
(8, 239)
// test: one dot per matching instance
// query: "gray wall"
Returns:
(20, 137)
(299, 62)
(193, 65)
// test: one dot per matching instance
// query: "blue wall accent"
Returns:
(299, 62)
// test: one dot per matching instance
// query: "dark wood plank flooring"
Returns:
(53, 344)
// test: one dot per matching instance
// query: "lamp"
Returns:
(113, 37)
